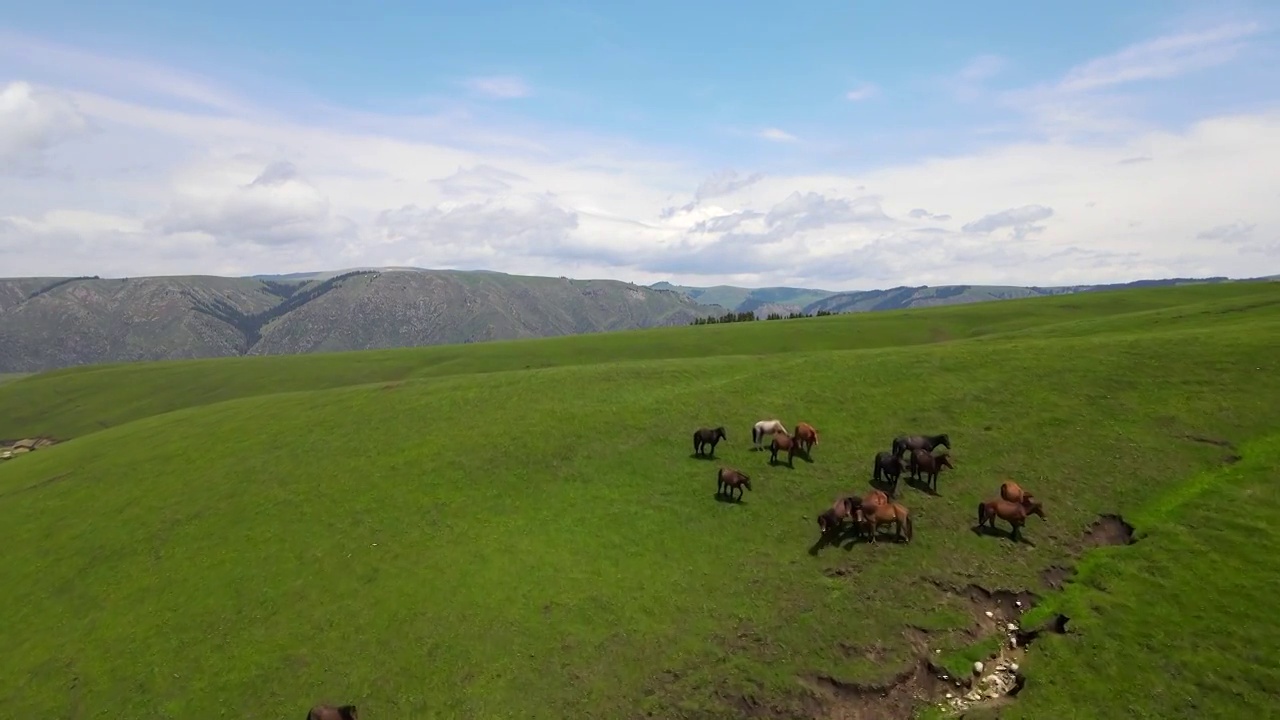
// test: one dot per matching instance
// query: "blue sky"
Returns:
(816, 100)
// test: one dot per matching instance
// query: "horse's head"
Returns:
(944, 440)
(720, 433)
(1033, 507)
(944, 460)
(349, 712)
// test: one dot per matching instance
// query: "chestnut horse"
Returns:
(806, 436)
(728, 479)
(1010, 490)
(708, 437)
(765, 428)
(903, 443)
(890, 465)
(781, 441)
(930, 465)
(331, 712)
(1014, 513)
(871, 516)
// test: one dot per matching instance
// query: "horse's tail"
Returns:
(875, 470)
(907, 525)
(815, 437)
(982, 513)
(756, 434)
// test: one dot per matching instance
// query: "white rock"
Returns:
(949, 696)
(1012, 627)
(1017, 603)
(990, 614)
(977, 667)
(1013, 667)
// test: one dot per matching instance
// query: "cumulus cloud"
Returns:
(31, 122)
(212, 188)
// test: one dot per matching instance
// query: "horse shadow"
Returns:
(834, 539)
(999, 532)
(704, 456)
(921, 484)
(888, 487)
(882, 535)
(724, 498)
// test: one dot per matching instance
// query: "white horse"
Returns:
(764, 429)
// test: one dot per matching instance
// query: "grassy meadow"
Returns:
(518, 529)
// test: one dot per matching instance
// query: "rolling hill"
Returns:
(48, 323)
(518, 528)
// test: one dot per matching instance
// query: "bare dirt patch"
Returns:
(10, 449)
(898, 697)
(1109, 529)
(1055, 576)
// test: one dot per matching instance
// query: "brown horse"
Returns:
(930, 465)
(782, 442)
(842, 509)
(890, 465)
(708, 437)
(1011, 491)
(871, 516)
(806, 436)
(1014, 513)
(903, 443)
(728, 479)
(332, 712)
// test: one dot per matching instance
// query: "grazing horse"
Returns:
(728, 479)
(834, 516)
(930, 465)
(764, 429)
(1014, 513)
(781, 441)
(1011, 491)
(806, 436)
(708, 437)
(331, 712)
(890, 465)
(871, 516)
(903, 443)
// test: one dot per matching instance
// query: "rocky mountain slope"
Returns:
(48, 323)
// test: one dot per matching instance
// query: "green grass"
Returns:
(10, 377)
(443, 532)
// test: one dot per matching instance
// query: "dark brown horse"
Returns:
(1014, 513)
(888, 464)
(708, 437)
(842, 509)
(728, 479)
(871, 516)
(333, 712)
(930, 465)
(903, 443)
(782, 442)
(805, 436)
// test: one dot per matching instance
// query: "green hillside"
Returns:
(518, 529)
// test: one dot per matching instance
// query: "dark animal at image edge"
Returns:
(709, 437)
(331, 712)
(727, 479)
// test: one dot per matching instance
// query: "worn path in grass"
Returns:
(541, 544)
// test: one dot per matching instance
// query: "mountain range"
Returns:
(48, 323)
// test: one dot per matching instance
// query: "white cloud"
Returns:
(776, 135)
(212, 188)
(31, 122)
(865, 91)
(501, 87)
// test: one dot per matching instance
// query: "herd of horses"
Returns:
(868, 512)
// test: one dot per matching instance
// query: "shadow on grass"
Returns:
(696, 456)
(999, 532)
(922, 485)
(888, 487)
(723, 498)
(847, 531)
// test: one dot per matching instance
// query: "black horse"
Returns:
(707, 437)
(890, 466)
(905, 443)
